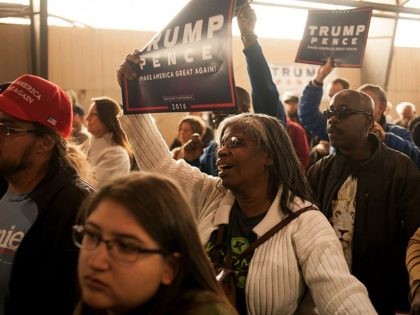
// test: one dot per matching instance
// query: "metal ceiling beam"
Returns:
(374, 5)
(8, 10)
(357, 4)
(37, 12)
(39, 38)
(11, 9)
(402, 2)
(391, 55)
(390, 15)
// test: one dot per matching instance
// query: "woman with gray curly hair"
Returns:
(260, 184)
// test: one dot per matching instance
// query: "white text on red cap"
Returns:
(34, 92)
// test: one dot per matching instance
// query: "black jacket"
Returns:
(43, 278)
(387, 214)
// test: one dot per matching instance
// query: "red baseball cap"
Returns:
(35, 99)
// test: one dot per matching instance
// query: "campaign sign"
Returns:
(339, 34)
(188, 65)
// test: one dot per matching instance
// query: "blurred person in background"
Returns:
(406, 113)
(79, 132)
(108, 150)
(187, 126)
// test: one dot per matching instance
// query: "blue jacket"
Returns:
(265, 97)
(207, 162)
(397, 138)
(265, 100)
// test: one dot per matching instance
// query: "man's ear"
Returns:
(371, 121)
(268, 160)
(383, 107)
(170, 269)
(45, 143)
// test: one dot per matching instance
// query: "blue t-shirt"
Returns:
(17, 214)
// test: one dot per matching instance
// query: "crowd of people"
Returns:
(287, 210)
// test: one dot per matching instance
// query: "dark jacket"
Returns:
(313, 120)
(43, 278)
(387, 214)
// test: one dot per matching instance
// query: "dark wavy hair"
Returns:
(66, 155)
(159, 206)
(273, 139)
(197, 124)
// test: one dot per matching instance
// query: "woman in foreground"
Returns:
(140, 253)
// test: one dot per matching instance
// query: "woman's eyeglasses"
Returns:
(231, 142)
(121, 249)
(343, 112)
(9, 131)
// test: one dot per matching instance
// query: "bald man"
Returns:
(370, 194)
(393, 136)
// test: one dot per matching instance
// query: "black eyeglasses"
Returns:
(6, 130)
(343, 112)
(121, 249)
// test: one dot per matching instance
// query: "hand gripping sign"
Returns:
(188, 65)
(340, 34)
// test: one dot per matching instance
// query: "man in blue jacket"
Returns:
(393, 136)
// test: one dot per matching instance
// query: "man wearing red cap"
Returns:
(40, 198)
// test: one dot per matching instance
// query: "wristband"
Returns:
(249, 37)
(317, 83)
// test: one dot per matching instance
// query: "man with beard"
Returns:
(370, 193)
(40, 196)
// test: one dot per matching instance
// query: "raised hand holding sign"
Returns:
(185, 67)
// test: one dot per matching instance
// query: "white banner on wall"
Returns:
(294, 77)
